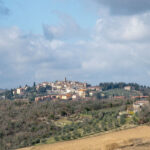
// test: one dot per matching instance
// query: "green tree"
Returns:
(122, 119)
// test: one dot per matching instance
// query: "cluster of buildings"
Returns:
(136, 107)
(72, 90)
(67, 90)
(20, 90)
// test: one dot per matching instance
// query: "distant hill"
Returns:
(2, 90)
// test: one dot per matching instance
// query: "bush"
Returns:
(36, 141)
(122, 119)
(56, 138)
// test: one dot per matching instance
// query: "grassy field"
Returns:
(136, 139)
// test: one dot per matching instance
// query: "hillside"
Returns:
(2, 90)
(26, 124)
(121, 92)
(136, 139)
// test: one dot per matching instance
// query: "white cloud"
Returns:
(124, 29)
(116, 50)
(94, 65)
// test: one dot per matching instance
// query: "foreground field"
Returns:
(131, 139)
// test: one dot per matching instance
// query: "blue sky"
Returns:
(87, 40)
(30, 15)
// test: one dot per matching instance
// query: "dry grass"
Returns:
(110, 141)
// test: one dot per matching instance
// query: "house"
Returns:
(37, 99)
(74, 97)
(82, 93)
(38, 86)
(43, 98)
(95, 88)
(44, 84)
(66, 96)
(59, 87)
(127, 88)
(20, 91)
(139, 104)
(92, 93)
(70, 90)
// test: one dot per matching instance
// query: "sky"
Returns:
(85, 40)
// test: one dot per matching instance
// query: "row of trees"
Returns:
(110, 85)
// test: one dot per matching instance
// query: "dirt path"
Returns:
(108, 141)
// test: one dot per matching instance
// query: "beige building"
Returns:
(82, 93)
(139, 104)
(95, 88)
(74, 96)
(92, 93)
(59, 87)
(128, 88)
(20, 91)
(66, 96)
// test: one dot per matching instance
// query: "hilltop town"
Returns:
(75, 90)
(63, 90)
